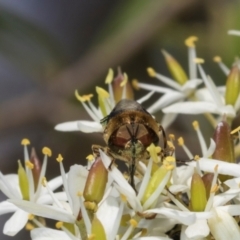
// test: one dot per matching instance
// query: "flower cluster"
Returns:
(195, 199)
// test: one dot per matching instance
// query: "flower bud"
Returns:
(232, 86)
(96, 182)
(198, 194)
(23, 181)
(175, 68)
(118, 88)
(97, 230)
(224, 146)
(37, 167)
(207, 180)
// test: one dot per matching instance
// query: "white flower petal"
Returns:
(89, 127)
(186, 218)
(166, 100)
(7, 207)
(223, 226)
(146, 97)
(225, 168)
(55, 183)
(107, 214)
(234, 32)
(44, 210)
(154, 88)
(76, 182)
(223, 198)
(47, 233)
(233, 210)
(204, 95)
(152, 238)
(233, 183)
(192, 108)
(67, 126)
(197, 230)
(47, 198)
(15, 223)
(84, 126)
(177, 188)
(191, 85)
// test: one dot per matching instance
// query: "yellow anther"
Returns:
(109, 77)
(217, 59)
(31, 217)
(47, 151)
(83, 98)
(79, 194)
(135, 84)
(59, 158)
(169, 167)
(123, 198)
(90, 157)
(133, 223)
(190, 41)
(235, 130)
(25, 142)
(170, 145)
(102, 92)
(171, 137)
(180, 141)
(126, 175)
(199, 60)
(151, 72)
(92, 236)
(124, 81)
(195, 125)
(170, 159)
(29, 164)
(153, 151)
(216, 168)
(214, 188)
(196, 157)
(59, 225)
(29, 227)
(91, 206)
(44, 181)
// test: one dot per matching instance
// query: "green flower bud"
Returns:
(224, 146)
(118, 87)
(96, 182)
(207, 180)
(98, 231)
(232, 86)
(37, 167)
(198, 194)
(23, 181)
(175, 68)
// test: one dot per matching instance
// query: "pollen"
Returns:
(123, 198)
(90, 157)
(109, 77)
(81, 98)
(199, 60)
(235, 130)
(171, 137)
(102, 92)
(29, 164)
(30, 217)
(124, 81)
(79, 194)
(190, 41)
(195, 125)
(216, 168)
(151, 72)
(25, 142)
(170, 159)
(44, 181)
(180, 141)
(214, 188)
(196, 157)
(92, 236)
(59, 225)
(170, 145)
(29, 227)
(217, 59)
(135, 84)
(59, 158)
(133, 223)
(47, 151)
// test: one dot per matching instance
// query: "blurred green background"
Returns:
(50, 48)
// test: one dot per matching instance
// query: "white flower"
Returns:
(10, 186)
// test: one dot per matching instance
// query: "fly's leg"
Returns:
(132, 169)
